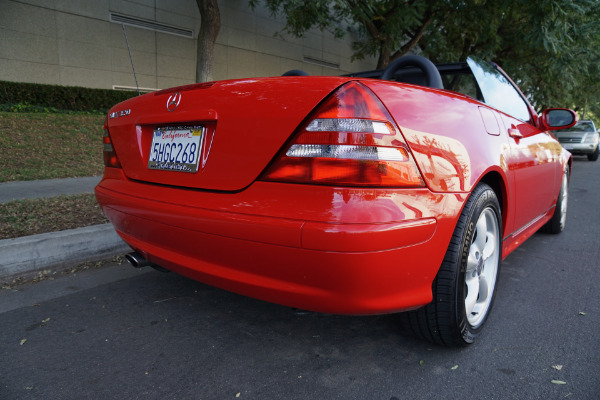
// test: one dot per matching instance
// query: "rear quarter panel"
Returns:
(446, 133)
(457, 141)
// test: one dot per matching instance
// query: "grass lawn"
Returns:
(46, 146)
(30, 217)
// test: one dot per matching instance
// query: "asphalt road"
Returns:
(118, 333)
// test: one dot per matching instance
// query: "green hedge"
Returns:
(16, 96)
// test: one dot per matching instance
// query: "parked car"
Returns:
(385, 191)
(581, 139)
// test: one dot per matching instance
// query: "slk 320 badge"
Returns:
(120, 113)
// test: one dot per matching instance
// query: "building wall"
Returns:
(74, 42)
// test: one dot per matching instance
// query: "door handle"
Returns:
(515, 133)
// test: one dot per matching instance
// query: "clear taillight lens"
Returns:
(110, 155)
(350, 140)
(350, 125)
(347, 152)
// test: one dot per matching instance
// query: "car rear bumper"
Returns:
(328, 262)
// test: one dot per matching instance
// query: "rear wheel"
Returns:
(465, 286)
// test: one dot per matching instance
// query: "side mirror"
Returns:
(557, 118)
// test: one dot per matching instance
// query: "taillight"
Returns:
(350, 140)
(110, 156)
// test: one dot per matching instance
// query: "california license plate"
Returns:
(176, 148)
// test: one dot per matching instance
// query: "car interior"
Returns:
(454, 76)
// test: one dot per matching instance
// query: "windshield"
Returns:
(497, 90)
(581, 126)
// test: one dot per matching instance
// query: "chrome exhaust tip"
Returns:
(137, 260)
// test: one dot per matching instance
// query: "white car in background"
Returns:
(581, 139)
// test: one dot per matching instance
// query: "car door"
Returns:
(534, 160)
(533, 157)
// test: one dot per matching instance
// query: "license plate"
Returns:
(176, 148)
(568, 146)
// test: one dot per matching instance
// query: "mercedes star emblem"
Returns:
(173, 101)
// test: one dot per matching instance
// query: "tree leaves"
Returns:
(551, 48)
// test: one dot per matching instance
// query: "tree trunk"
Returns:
(384, 56)
(210, 24)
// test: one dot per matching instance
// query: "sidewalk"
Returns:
(10, 191)
(25, 256)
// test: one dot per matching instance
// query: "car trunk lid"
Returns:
(243, 123)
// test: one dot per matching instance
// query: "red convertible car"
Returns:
(387, 191)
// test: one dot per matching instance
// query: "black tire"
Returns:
(559, 218)
(445, 321)
(595, 154)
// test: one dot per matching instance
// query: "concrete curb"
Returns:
(29, 254)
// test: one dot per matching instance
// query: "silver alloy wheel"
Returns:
(564, 192)
(482, 267)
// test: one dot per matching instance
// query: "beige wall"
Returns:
(73, 42)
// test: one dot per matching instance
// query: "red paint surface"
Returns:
(325, 248)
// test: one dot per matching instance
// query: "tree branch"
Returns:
(415, 37)
(367, 23)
